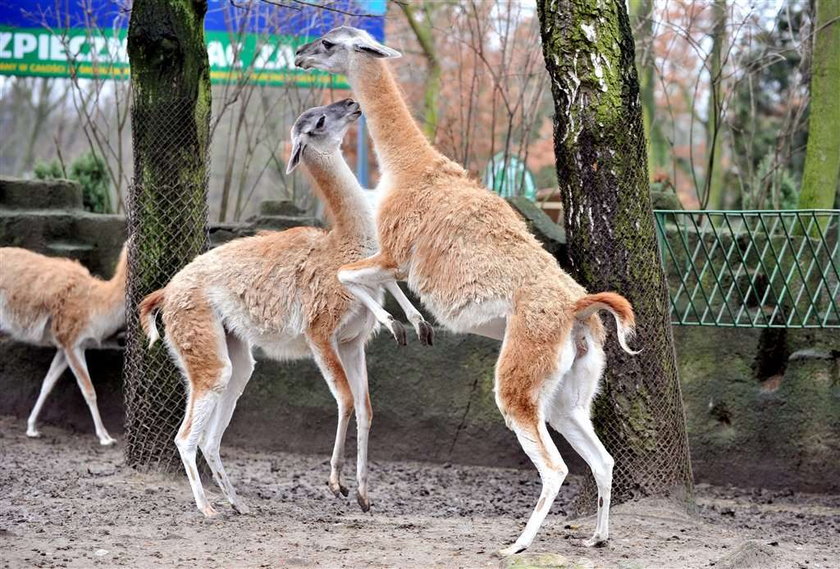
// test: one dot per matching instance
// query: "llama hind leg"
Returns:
(523, 377)
(326, 357)
(76, 359)
(537, 444)
(242, 364)
(208, 369)
(570, 415)
(353, 357)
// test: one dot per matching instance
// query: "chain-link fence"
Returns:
(167, 219)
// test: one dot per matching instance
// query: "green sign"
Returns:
(258, 58)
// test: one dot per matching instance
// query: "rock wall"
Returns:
(437, 403)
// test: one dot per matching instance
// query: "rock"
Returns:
(665, 200)
(748, 555)
(40, 194)
(280, 207)
(551, 235)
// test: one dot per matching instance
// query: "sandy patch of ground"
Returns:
(66, 502)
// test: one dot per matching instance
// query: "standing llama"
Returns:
(48, 301)
(476, 267)
(279, 291)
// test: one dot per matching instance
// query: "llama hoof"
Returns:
(241, 508)
(338, 489)
(33, 433)
(512, 550)
(426, 333)
(364, 502)
(107, 441)
(398, 330)
(596, 541)
(209, 511)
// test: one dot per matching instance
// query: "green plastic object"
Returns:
(509, 177)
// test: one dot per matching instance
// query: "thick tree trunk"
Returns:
(170, 76)
(602, 167)
(822, 157)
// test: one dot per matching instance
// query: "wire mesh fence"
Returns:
(167, 218)
(755, 269)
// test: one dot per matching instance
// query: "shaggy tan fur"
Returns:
(477, 268)
(57, 302)
(460, 244)
(279, 291)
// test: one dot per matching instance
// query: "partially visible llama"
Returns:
(50, 301)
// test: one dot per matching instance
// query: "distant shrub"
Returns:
(91, 173)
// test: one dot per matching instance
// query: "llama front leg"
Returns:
(424, 330)
(379, 271)
(76, 359)
(57, 367)
(369, 273)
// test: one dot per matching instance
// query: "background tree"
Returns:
(602, 167)
(641, 12)
(170, 75)
(767, 113)
(822, 160)
(422, 29)
(714, 191)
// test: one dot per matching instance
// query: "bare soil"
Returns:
(67, 502)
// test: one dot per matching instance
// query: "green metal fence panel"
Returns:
(752, 269)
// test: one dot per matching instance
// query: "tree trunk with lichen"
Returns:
(170, 77)
(822, 158)
(601, 156)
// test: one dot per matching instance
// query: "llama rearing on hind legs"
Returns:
(476, 267)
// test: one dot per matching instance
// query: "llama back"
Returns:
(33, 289)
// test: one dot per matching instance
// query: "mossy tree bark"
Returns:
(822, 156)
(602, 167)
(170, 77)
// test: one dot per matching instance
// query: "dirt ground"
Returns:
(67, 502)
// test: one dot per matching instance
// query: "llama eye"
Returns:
(327, 44)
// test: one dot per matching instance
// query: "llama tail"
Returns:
(148, 310)
(618, 306)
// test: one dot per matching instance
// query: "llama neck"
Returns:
(110, 294)
(341, 194)
(400, 144)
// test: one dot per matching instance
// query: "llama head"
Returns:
(336, 50)
(321, 129)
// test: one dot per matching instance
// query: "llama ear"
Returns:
(297, 151)
(375, 49)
